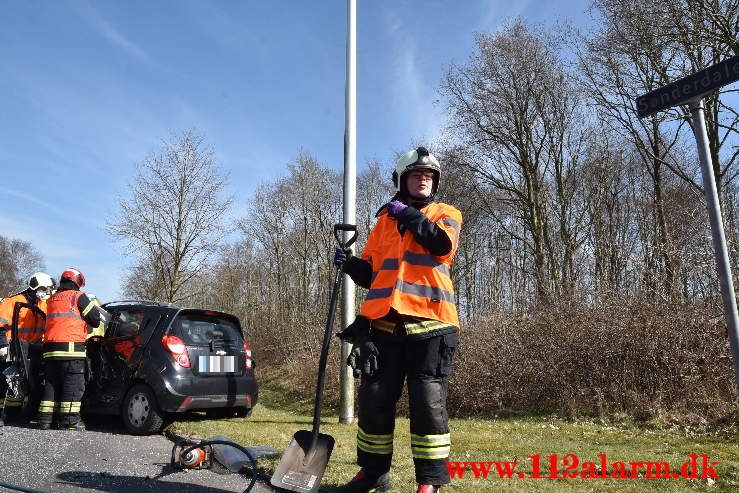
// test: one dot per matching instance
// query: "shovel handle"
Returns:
(327, 332)
(345, 227)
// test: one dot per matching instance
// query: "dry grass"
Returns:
(279, 416)
(635, 382)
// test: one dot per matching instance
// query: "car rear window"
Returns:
(200, 328)
(125, 323)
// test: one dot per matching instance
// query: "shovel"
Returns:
(304, 462)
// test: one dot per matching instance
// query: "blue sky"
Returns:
(88, 89)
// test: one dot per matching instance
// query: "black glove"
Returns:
(341, 255)
(363, 358)
(360, 326)
(364, 353)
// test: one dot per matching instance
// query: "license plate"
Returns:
(216, 364)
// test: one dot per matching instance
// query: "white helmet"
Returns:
(419, 158)
(41, 280)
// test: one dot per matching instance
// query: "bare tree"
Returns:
(18, 260)
(624, 60)
(513, 117)
(374, 188)
(628, 57)
(290, 223)
(172, 218)
(705, 32)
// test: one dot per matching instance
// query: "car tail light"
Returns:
(248, 362)
(177, 349)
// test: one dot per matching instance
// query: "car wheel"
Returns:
(141, 414)
(244, 412)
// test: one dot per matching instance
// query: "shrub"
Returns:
(571, 359)
(574, 359)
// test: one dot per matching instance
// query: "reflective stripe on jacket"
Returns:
(30, 323)
(66, 330)
(405, 276)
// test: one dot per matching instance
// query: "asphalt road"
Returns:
(105, 459)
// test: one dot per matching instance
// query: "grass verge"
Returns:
(277, 418)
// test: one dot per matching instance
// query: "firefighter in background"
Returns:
(407, 327)
(30, 331)
(71, 318)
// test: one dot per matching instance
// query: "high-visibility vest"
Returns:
(405, 276)
(30, 323)
(66, 330)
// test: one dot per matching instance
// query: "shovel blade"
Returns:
(301, 468)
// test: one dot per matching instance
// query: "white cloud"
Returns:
(115, 37)
(26, 197)
(415, 85)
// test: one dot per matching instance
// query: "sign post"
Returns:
(691, 90)
(346, 377)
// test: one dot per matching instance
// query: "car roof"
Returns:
(150, 304)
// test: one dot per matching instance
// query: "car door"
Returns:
(119, 353)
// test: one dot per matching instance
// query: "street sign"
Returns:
(691, 87)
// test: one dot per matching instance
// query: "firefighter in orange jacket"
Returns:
(407, 327)
(30, 332)
(71, 318)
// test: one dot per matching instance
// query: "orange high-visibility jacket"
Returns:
(66, 330)
(405, 276)
(30, 323)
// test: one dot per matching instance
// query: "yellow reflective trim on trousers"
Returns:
(12, 402)
(383, 325)
(46, 407)
(431, 446)
(65, 354)
(435, 453)
(375, 449)
(431, 440)
(2, 401)
(69, 406)
(412, 328)
(65, 407)
(369, 437)
(374, 444)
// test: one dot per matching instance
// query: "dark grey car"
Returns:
(157, 359)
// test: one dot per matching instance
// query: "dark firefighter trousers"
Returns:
(426, 364)
(62, 396)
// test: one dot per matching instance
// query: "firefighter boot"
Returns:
(365, 481)
(78, 426)
(427, 488)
